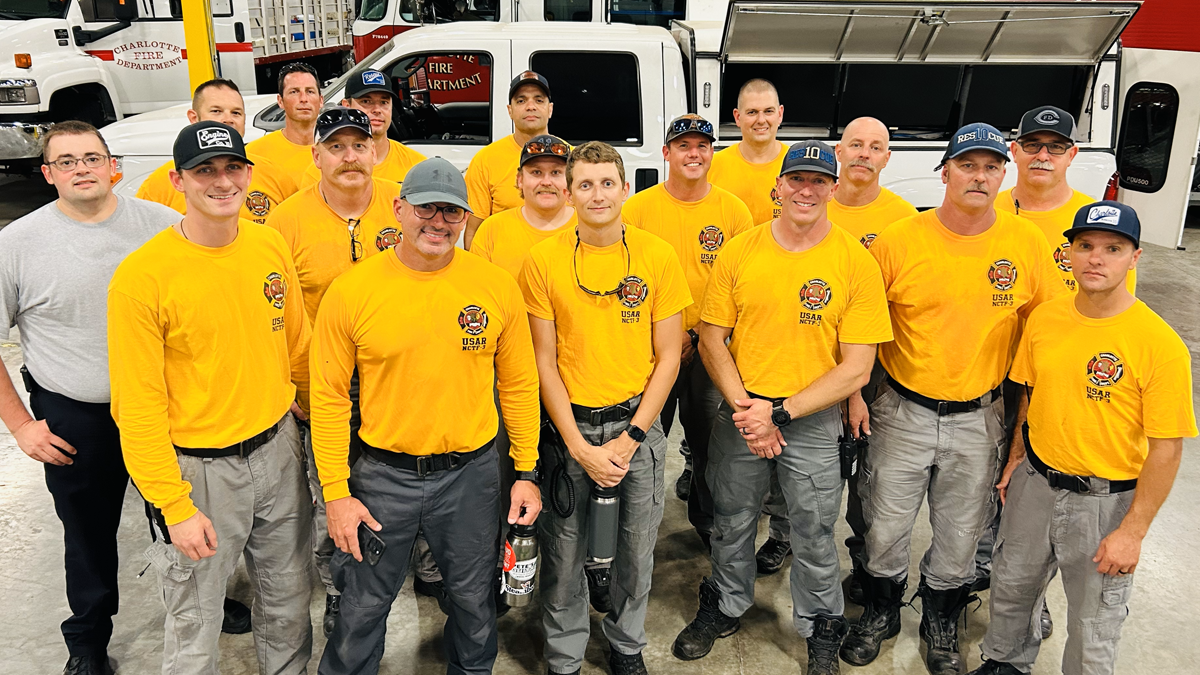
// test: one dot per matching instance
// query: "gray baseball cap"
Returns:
(435, 180)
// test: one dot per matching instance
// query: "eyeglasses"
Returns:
(450, 213)
(575, 267)
(540, 148)
(1053, 147)
(686, 124)
(90, 161)
(356, 247)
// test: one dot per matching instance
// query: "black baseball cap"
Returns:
(335, 118)
(810, 156)
(1108, 216)
(368, 81)
(1048, 118)
(545, 145)
(975, 136)
(197, 143)
(529, 77)
(690, 123)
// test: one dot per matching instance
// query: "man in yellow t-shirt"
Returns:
(697, 219)
(750, 167)
(490, 181)
(506, 237)
(1110, 401)
(220, 101)
(863, 207)
(371, 92)
(803, 308)
(605, 304)
(330, 226)
(1043, 151)
(208, 352)
(432, 324)
(300, 99)
(960, 280)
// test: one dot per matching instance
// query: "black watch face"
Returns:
(780, 417)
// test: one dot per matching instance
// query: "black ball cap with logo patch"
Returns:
(202, 141)
(1047, 118)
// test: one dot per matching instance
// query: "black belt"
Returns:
(943, 408)
(242, 449)
(426, 464)
(765, 398)
(1067, 481)
(618, 412)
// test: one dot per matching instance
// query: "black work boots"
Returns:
(823, 645)
(939, 627)
(696, 639)
(880, 620)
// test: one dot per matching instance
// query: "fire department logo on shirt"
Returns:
(867, 240)
(711, 238)
(1062, 256)
(775, 197)
(633, 291)
(388, 237)
(472, 319)
(1105, 369)
(258, 203)
(275, 289)
(1003, 275)
(815, 294)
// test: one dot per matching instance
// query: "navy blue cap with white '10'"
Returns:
(1108, 216)
(976, 136)
(809, 156)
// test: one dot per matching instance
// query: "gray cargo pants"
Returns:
(458, 511)
(1045, 530)
(563, 543)
(810, 478)
(260, 508)
(954, 461)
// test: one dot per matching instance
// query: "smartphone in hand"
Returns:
(369, 543)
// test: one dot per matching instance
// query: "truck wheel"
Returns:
(84, 103)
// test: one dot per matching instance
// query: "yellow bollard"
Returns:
(198, 36)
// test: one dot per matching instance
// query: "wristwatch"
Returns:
(695, 337)
(534, 476)
(779, 416)
(636, 433)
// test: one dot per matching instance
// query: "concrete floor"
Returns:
(1159, 638)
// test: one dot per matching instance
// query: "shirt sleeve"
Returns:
(157, 187)
(299, 335)
(881, 250)
(479, 189)
(9, 307)
(632, 212)
(137, 363)
(719, 307)
(484, 245)
(740, 219)
(1047, 282)
(535, 289)
(1167, 410)
(517, 382)
(1022, 371)
(673, 295)
(331, 362)
(311, 175)
(866, 321)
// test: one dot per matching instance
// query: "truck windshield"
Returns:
(33, 9)
(443, 11)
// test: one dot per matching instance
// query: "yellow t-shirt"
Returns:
(393, 168)
(605, 345)
(957, 302)
(1102, 386)
(865, 223)
(754, 184)
(269, 186)
(492, 178)
(207, 347)
(293, 159)
(696, 230)
(428, 346)
(505, 239)
(1053, 223)
(834, 293)
(319, 239)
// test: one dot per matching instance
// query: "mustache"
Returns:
(866, 164)
(978, 186)
(352, 166)
(1041, 164)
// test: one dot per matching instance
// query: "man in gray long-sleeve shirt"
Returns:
(55, 265)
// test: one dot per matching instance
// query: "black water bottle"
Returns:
(604, 510)
(520, 564)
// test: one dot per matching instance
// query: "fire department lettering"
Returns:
(275, 290)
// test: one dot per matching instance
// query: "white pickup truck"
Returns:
(924, 68)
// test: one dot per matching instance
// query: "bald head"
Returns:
(757, 87)
(863, 151)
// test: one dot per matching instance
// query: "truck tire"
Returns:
(85, 103)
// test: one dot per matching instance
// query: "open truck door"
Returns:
(1160, 117)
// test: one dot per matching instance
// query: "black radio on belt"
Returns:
(851, 452)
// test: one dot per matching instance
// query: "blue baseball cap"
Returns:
(1108, 216)
(976, 136)
(809, 156)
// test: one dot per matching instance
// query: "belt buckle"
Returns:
(242, 451)
(1085, 485)
(424, 466)
(596, 416)
(453, 460)
(943, 408)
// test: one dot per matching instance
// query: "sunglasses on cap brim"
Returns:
(540, 148)
(683, 126)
